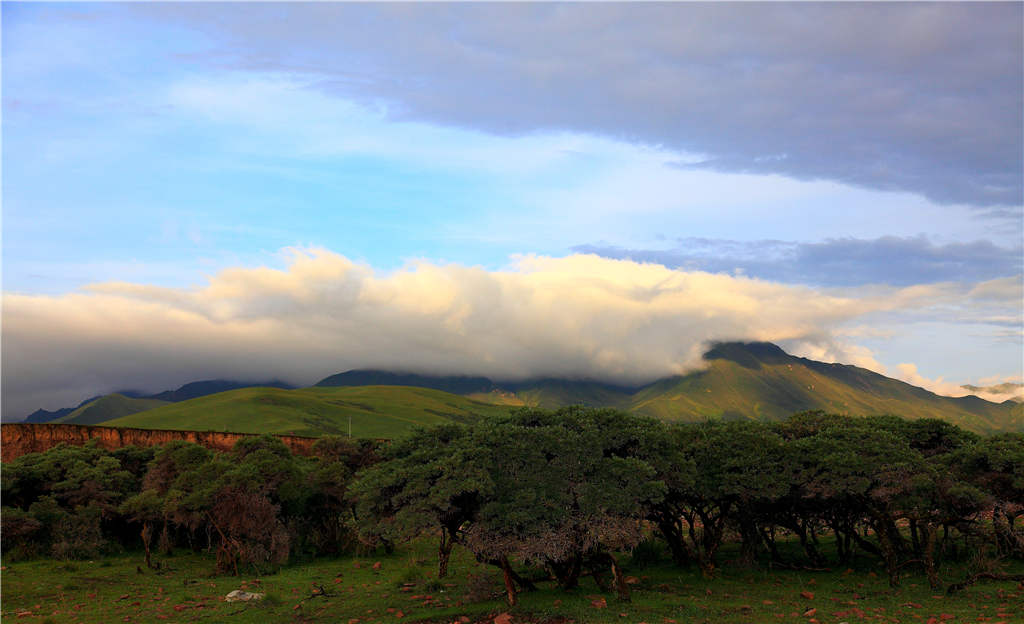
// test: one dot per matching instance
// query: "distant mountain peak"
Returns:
(748, 354)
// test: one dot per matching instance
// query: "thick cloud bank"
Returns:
(578, 316)
(920, 97)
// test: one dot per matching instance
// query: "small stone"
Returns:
(810, 612)
(376, 566)
(806, 595)
(241, 596)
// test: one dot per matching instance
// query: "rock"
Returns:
(810, 612)
(600, 603)
(243, 596)
(376, 566)
(631, 580)
(503, 618)
(806, 595)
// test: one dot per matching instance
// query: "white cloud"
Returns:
(576, 316)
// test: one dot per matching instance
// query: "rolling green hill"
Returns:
(375, 411)
(108, 407)
(553, 393)
(741, 380)
(761, 381)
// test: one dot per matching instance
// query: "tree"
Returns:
(569, 489)
(433, 480)
(996, 465)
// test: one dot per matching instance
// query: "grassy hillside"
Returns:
(763, 382)
(742, 380)
(552, 393)
(375, 411)
(108, 407)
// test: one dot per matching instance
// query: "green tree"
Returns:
(434, 480)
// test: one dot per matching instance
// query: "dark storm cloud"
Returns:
(836, 262)
(916, 97)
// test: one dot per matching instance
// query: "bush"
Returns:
(649, 551)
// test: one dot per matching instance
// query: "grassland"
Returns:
(375, 411)
(403, 588)
(107, 408)
(775, 390)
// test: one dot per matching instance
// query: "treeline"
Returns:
(563, 492)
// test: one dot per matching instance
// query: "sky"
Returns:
(260, 190)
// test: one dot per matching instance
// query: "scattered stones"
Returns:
(240, 595)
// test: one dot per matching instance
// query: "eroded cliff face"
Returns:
(17, 439)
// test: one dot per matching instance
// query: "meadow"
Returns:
(404, 587)
(578, 515)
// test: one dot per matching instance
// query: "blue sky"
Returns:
(161, 145)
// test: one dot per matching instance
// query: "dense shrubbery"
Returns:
(256, 506)
(562, 492)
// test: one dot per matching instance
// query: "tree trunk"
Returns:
(672, 531)
(510, 587)
(750, 542)
(147, 537)
(620, 583)
(930, 535)
(444, 551)
(890, 551)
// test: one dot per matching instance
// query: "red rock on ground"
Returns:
(503, 618)
(806, 595)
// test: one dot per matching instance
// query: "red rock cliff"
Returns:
(17, 439)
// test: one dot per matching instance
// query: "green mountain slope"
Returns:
(375, 411)
(108, 407)
(742, 380)
(761, 381)
(553, 393)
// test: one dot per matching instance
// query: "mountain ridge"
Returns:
(741, 380)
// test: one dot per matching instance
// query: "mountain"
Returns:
(1015, 391)
(752, 380)
(761, 381)
(546, 393)
(453, 385)
(108, 407)
(124, 402)
(42, 416)
(198, 389)
(372, 411)
(741, 380)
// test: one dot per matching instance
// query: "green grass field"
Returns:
(375, 411)
(404, 588)
(774, 391)
(108, 407)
